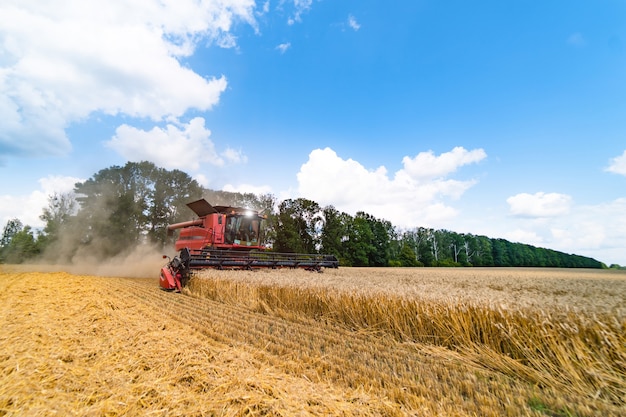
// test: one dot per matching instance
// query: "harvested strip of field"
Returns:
(79, 345)
(112, 346)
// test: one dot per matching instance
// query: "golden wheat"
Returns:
(78, 345)
(296, 343)
(584, 354)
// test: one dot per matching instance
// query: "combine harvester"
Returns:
(224, 237)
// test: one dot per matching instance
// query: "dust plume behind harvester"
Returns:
(224, 237)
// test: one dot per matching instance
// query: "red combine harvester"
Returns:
(224, 237)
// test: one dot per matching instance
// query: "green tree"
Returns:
(382, 233)
(407, 256)
(419, 241)
(484, 252)
(60, 210)
(167, 194)
(358, 245)
(500, 252)
(12, 227)
(298, 226)
(333, 231)
(111, 212)
(121, 207)
(21, 247)
(457, 248)
(265, 206)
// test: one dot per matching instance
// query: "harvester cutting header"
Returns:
(224, 237)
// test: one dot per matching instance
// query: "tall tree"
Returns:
(21, 247)
(500, 253)
(111, 210)
(333, 231)
(382, 233)
(61, 207)
(358, 246)
(484, 254)
(457, 248)
(121, 207)
(298, 226)
(12, 227)
(407, 256)
(419, 240)
(170, 191)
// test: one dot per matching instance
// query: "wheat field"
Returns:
(370, 342)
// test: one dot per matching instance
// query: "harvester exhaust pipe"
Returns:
(172, 227)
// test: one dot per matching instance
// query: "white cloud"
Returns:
(539, 204)
(426, 165)
(618, 165)
(266, 8)
(529, 237)
(234, 156)
(202, 180)
(353, 23)
(283, 47)
(184, 146)
(62, 61)
(29, 207)
(597, 231)
(58, 184)
(300, 7)
(419, 195)
(407, 199)
(600, 228)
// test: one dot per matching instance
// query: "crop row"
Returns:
(585, 356)
(81, 345)
(413, 378)
(114, 346)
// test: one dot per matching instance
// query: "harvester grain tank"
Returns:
(225, 237)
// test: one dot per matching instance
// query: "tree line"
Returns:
(119, 208)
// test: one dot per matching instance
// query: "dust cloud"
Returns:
(144, 261)
(89, 244)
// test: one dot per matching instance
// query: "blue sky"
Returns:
(506, 119)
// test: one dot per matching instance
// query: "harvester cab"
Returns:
(225, 237)
(220, 227)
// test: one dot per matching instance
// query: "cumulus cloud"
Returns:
(618, 165)
(61, 62)
(598, 231)
(183, 146)
(408, 198)
(29, 207)
(353, 23)
(283, 47)
(426, 165)
(597, 228)
(539, 204)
